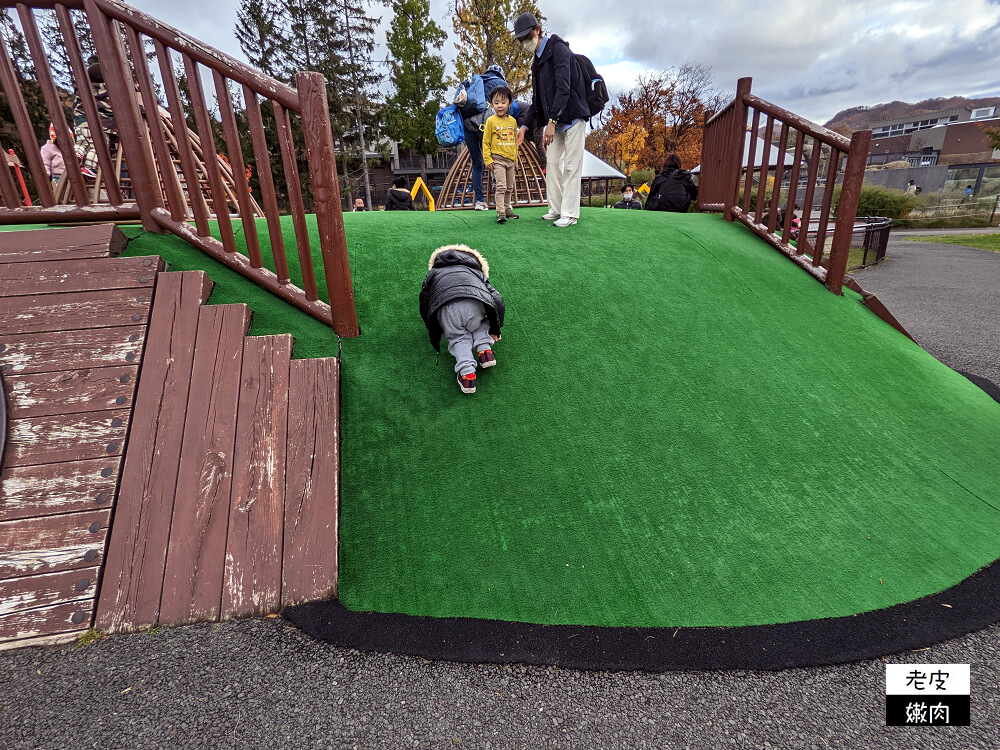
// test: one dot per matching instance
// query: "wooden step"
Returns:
(196, 558)
(99, 241)
(312, 482)
(130, 593)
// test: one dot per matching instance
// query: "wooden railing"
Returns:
(728, 185)
(175, 183)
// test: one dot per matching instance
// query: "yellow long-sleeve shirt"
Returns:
(500, 138)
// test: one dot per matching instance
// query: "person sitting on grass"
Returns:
(399, 198)
(628, 198)
(458, 301)
(500, 151)
(672, 189)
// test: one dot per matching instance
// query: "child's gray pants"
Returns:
(466, 327)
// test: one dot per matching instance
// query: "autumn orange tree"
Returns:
(663, 113)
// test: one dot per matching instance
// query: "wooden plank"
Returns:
(30, 592)
(32, 491)
(75, 310)
(48, 277)
(133, 576)
(51, 351)
(46, 621)
(32, 546)
(71, 391)
(43, 640)
(312, 482)
(257, 508)
(72, 437)
(192, 580)
(99, 241)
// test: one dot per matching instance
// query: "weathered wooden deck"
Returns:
(161, 467)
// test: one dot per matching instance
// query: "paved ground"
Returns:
(946, 296)
(261, 683)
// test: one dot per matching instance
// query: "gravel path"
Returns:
(262, 684)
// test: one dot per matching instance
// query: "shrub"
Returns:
(876, 200)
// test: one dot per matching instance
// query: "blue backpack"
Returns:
(448, 127)
(475, 92)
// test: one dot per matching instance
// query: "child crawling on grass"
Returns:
(457, 300)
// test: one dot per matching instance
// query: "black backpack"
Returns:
(668, 193)
(597, 90)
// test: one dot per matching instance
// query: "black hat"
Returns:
(523, 25)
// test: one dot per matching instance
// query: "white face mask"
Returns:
(529, 43)
(627, 196)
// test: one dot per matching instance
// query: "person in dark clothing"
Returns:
(672, 189)
(457, 301)
(559, 102)
(399, 198)
(359, 204)
(628, 198)
(473, 122)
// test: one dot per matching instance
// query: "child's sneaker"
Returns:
(467, 383)
(486, 358)
(501, 220)
(513, 216)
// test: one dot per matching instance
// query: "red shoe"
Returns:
(467, 383)
(486, 358)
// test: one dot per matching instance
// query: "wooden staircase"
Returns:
(219, 498)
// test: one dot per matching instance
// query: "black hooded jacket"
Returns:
(399, 200)
(458, 272)
(558, 90)
(672, 190)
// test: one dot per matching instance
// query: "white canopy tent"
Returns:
(595, 169)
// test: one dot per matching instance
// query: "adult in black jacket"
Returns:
(672, 189)
(559, 102)
(628, 199)
(458, 272)
(399, 198)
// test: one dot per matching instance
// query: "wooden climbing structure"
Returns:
(529, 182)
(160, 466)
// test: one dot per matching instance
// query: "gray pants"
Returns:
(466, 327)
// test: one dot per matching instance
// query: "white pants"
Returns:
(564, 160)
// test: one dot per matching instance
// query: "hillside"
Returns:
(862, 116)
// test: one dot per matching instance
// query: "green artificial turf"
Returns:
(683, 429)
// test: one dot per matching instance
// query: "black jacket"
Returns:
(633, 204)
(672, 190)
(458, 272)
(558, 90)
(399, 200)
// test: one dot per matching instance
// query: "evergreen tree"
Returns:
(259, 32)
(484, 38)
(417, 75)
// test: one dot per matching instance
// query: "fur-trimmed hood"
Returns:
(461, 249)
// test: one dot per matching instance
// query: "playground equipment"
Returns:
(529, 182)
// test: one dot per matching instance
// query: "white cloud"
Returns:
(813, 57)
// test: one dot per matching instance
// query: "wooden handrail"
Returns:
(723, 174)
(174, 173)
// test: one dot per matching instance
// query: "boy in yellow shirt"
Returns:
(500, 150)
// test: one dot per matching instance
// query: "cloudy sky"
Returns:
(814, 57)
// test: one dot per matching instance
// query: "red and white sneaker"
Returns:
(467, 383)
(486, 358)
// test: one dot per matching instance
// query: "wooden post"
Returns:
(131, 127)
(326, 199)
(854, 177)
(738, 138)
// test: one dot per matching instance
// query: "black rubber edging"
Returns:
(970, 605)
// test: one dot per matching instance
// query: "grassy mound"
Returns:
(683, 429)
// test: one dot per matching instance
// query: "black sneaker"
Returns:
(501, 220)
(467, 383)
(513, 216)
(486, 358)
